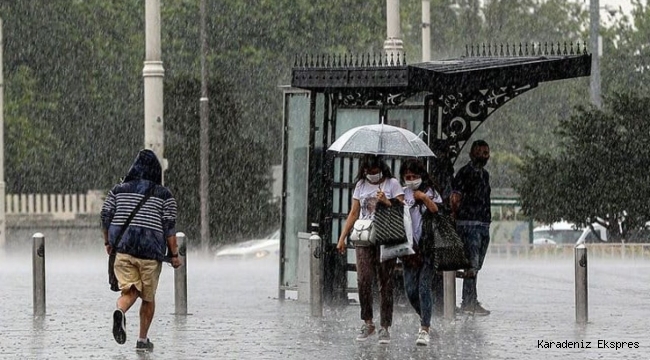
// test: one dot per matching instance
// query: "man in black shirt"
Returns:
(470, 207)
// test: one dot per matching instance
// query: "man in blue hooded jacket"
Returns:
(144, 243)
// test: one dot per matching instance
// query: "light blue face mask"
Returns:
(374, 178)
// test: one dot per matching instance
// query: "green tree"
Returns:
(27, 137)
(601, 170)
(74, 74)
(625, 65)
(86, 88)
(240, 174)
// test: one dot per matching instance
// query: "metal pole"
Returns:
(3, 217)
(393, 45)
(594, 25)
(204, 138)
(582, 308)
(180, 277)
(449, 284)
(623, 250)
(38, 273)
(426, 30)
(153, 73)
(315, 264)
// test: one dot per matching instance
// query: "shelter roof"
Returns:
(467, 73)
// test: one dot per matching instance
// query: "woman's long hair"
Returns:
(370, 162)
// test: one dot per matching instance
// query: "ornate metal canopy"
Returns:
(466, 90)
(382, 78)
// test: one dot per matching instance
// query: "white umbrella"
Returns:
(381, 139)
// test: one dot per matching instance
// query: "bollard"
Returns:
(449, 284)
(180, 277)
(623, 250)
(315, 284)
(38, 273)
(582, 308)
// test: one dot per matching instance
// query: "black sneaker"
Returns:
(475, 309)
(144, 346)
(119, 326)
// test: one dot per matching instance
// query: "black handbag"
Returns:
(112, 279)
(441, 242)
(388, 225)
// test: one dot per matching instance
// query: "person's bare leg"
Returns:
(147, 309)
(123, 303)
(127, 299)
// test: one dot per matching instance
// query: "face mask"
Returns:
(413, 185)
(374, 178)
(480, 162)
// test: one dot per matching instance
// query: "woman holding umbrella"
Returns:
(374, 183)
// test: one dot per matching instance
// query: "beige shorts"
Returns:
(141, 273)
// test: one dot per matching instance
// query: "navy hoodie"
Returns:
(146, 235)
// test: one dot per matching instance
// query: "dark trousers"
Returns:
(418, 279)
(368, 265)
(477, 240)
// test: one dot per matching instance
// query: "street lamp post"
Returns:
(594, 79)
(426, 30)
(204, 191)
(393, 45)
(153, 73)
(2, 151)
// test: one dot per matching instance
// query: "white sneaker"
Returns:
(384, 336)
(423, 338)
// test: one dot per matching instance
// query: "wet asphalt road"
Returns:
(235, 314)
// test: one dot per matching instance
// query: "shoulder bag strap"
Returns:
(132, 215)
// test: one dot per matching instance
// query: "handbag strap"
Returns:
(147, 195)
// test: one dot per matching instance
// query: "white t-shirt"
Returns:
(366, 193)
(417, 210)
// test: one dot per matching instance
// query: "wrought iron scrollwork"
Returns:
(356, 98)
(459, 115)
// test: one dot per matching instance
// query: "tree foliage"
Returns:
(601, 170)
(239, 172)
(74, 89)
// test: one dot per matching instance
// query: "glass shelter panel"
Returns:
(409, 119)
(296, 149)
(347, 119)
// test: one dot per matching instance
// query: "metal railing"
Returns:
(88, 203)
(629, 251)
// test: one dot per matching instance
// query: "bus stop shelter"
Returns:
(445, 100)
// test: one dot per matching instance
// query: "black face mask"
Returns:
(480, 162)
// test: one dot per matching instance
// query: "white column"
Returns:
(393, 44)
(3, 225)
(153, 73)
(426, 30)
(594, 25)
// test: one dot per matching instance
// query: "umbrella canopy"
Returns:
(381, 139)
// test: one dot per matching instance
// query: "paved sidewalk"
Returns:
(235, 315)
